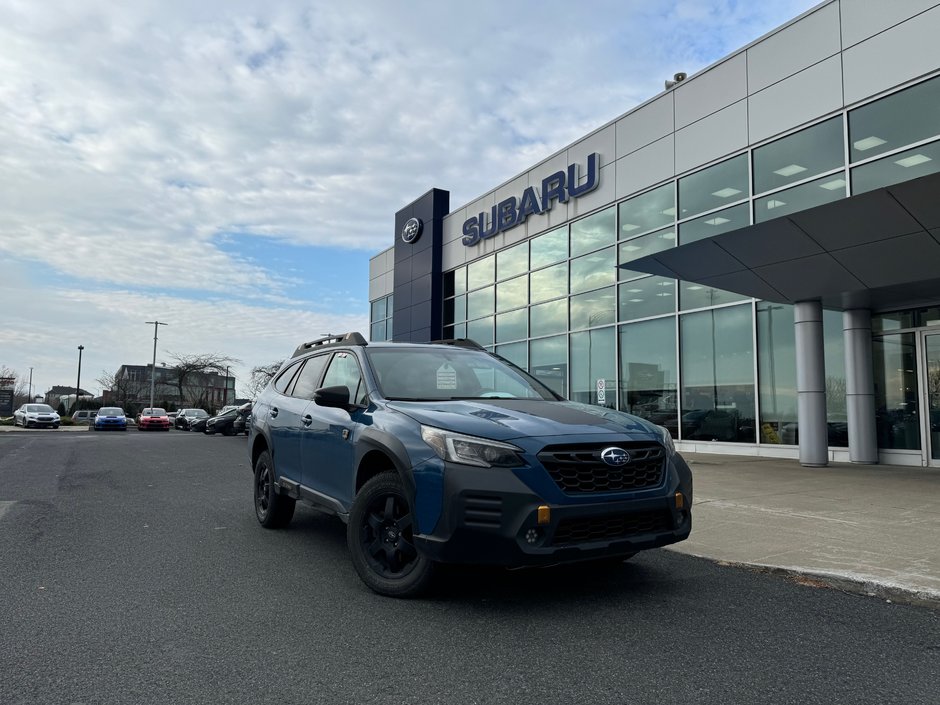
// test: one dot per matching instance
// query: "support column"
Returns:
(859, 386)
(811, 383)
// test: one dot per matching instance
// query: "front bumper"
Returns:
(492, 517)
(153, 425)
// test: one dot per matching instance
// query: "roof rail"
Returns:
(459, 343)
(338, 339)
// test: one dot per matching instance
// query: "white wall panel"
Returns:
(453, 254)
(715, 136)
(453, 225)
(603, 142)
(892, 57)
(711, 91)
(796, 100)
(645, 167)
(862, 19)
(802, 44)
(645, 125)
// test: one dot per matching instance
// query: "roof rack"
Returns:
(459, 343)
(338, 339)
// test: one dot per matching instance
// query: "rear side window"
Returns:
(309, 377)
(344, 372)
(284, 379)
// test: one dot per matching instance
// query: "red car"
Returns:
(153, 420)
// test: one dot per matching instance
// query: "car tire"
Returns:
(273, 509)
(380, 540)
(228, 431)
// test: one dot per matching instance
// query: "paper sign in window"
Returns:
(446, 377)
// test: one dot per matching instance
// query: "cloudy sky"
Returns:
(229, 167)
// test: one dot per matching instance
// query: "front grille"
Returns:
(579, 469)
(584, 530)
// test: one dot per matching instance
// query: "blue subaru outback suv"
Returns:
(444, 453)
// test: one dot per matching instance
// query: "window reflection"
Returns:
(481, 272)
(594, 367)
(648, 371)
(512, 261)
(911, 164)
(512, 326)
(896, 403)
(717, 375)
(516, 353)
(630, 250)
(713, 187)
(548, 362)
(799, 156)
(715, 224)
(481, 302)
(550, 318)
(548, 283)
(692, 296)
(512, 293)
(549, 248)
(596, 308)
(481, 331)
(776, 373)
(908, 116)
(648, 211)
(593, 232)
(594, 270)
(651, 296)
(798, 198)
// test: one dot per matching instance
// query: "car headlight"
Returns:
(667, 439)
(470, 450)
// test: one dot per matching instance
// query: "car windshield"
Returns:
(199, 414)
(110, 411)
(39, 407)
(154, 412)
(444, 373)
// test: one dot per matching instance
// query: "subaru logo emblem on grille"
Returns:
(615, 456)
(411, 231)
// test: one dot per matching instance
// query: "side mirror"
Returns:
(335, 397)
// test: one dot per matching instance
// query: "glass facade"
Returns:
(381, 317)
(709, 365)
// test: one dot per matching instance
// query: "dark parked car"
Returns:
(224, 423)
(445, 453)
(242, 422)
(185, 418)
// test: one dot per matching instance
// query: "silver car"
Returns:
(38, 415)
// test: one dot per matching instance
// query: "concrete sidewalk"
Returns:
(874, 528)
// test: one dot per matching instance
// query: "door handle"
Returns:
(307, 419)
(274, 412)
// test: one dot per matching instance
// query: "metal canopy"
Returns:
(878, 250)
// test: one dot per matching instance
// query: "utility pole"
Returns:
(225, 393)
(30, 399)
(78, 382)
(153, 367)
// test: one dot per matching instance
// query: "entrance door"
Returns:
(930, 384)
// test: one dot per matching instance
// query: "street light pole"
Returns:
(30, 399)
(225, 393)
(78, 382)
(153, 367)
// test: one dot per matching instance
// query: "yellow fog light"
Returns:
(544, 514)
(680, 500)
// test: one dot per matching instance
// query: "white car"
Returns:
(38, 415)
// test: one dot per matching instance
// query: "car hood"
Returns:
(505, 419)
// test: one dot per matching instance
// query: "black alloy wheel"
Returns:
(380, 536)
(273, 509)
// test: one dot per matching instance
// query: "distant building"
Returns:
(65, 395)
(205, 390)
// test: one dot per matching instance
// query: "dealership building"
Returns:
(751, 258)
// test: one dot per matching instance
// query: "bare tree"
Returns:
(259, 377)
(190, 370)
(20, 385)
(124, 390)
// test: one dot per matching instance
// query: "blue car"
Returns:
(445, 453)
(110, 418)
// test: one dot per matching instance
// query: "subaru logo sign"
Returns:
(615, 456)
(411, 231)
